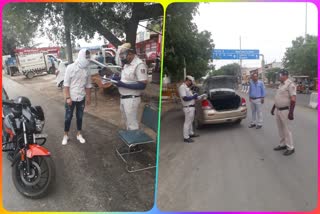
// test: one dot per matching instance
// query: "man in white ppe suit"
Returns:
(77, 86)
(188, 102)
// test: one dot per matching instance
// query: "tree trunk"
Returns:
(132, 25)
(91, 20)
(156, 74)
(67, 33)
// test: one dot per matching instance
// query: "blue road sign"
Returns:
(229, 54)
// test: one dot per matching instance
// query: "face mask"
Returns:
(123, 57)
(84, 63)
(124, 61)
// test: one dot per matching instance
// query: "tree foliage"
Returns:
(184, 45)
(230, 69)
(65, 22)
(271, 74)
(302, 57)
(17, 29)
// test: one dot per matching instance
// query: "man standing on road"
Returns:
(77, 84)
(132, 82)
(188, 102)
(284, 103)
(256, 95)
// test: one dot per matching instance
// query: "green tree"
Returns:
(184, 45)
(17, 29)
(154, 25)
(231, 69)
(302, 57)
(116, 20)
(271, 74)
(65, 22)
(217, 73)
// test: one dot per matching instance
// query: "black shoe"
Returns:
(258, 127)
(252, 125)
(288, 152)
(278, 148)
(195, 135)
(189, 140)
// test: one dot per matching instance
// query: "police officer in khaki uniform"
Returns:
(188, 102)
(284, 103)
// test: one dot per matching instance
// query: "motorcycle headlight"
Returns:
(39, 125)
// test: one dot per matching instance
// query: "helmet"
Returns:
(125, 46)
(191, 78)
(22, 100)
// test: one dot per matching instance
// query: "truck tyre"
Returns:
(51, 70)
(30, 74)
(14, 71)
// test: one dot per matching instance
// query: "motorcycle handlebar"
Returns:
(9, 103)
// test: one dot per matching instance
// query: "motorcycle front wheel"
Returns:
(38, 183)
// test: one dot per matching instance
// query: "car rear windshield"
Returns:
(223, 82)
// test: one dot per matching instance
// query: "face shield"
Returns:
(123, 55)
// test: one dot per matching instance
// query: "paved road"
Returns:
(302, 99)
(234, 168)
(90, 177)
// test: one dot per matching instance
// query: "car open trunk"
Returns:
(221, 92)
(224, 99)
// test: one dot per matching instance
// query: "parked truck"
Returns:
(34, 64)
(10, 65)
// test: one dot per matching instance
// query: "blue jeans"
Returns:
(69, 114)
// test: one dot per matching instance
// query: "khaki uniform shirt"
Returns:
(284, 93)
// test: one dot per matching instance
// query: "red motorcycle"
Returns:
(33, 171)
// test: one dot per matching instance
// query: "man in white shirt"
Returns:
(188, 102)
(132, 82)
(77, 86)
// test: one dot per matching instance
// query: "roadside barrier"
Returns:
(313, 100)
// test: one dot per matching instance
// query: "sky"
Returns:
(269, 27)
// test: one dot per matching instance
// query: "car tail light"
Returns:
(243, 102)
(206, 104)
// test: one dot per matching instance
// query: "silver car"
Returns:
(222, 105)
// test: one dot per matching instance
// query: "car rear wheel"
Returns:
(51, 70)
